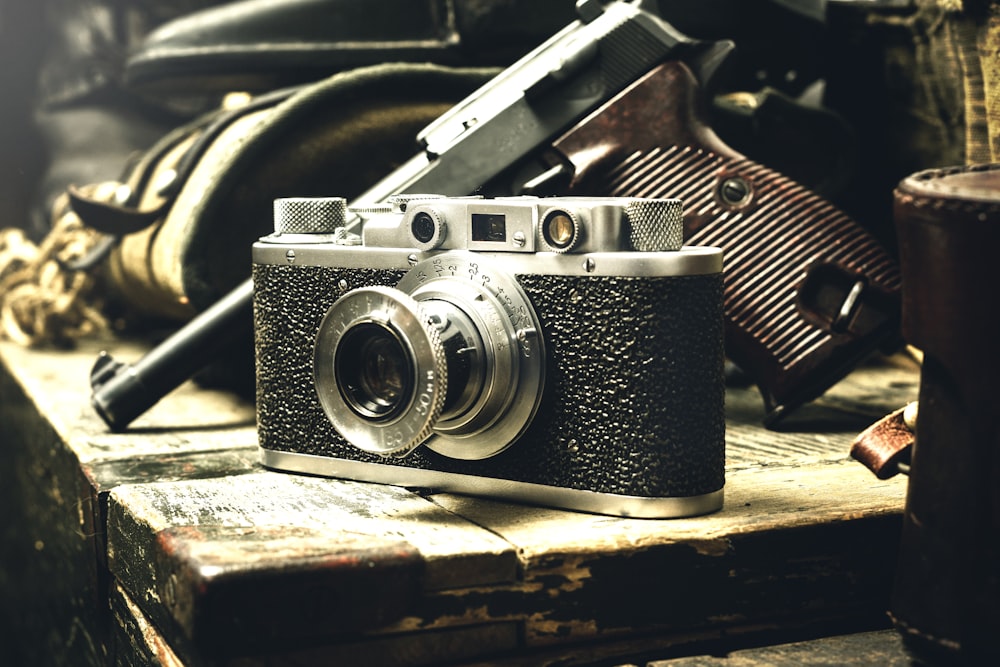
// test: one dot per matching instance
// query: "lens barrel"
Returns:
(380, 370)
(439, 355)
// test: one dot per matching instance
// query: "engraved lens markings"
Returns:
(452, 357)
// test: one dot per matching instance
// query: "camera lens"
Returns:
(380, 370)
(451, 357)
(374, 371)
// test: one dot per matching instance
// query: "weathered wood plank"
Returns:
(660, 649)
(821, 430)
(268, 557)
(882, 647)
(138, 642)
(135, 640)
(789, 541)
(191, 419)
(803, 529)
(60, 461)
(50, 597)
(810, 532)
(805, 532)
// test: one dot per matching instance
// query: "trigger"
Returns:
(843, 302)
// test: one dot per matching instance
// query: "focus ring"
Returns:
(407, 319)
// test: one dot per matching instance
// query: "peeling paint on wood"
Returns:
(882, 648)
(263, 558)
(207, 547)
(337, 507)
(60, 463)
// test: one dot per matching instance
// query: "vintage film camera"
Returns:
(554, 351)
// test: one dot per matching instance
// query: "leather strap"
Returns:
(885, 446)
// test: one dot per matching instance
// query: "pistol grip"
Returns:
(808, 291)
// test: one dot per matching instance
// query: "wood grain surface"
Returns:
(171, 535)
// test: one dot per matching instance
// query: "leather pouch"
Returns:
(946, 597)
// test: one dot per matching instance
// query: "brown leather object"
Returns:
(951, 218)
(946, 599)
(884, 445)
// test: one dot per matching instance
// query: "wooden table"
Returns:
(168, 544)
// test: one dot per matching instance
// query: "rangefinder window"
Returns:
(489, 227)
(423, 227)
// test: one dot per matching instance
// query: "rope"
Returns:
(42, 302)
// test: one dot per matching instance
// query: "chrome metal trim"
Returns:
(520, 492)
(509, 329)
(689, 260)
(396, 312)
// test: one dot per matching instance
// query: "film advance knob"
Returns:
(309, 215)
(655, 224)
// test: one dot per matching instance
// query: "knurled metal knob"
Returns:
(309, 215)
(655, 225)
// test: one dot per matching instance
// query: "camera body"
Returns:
(555, 351)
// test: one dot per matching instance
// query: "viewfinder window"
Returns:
(489, 227)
